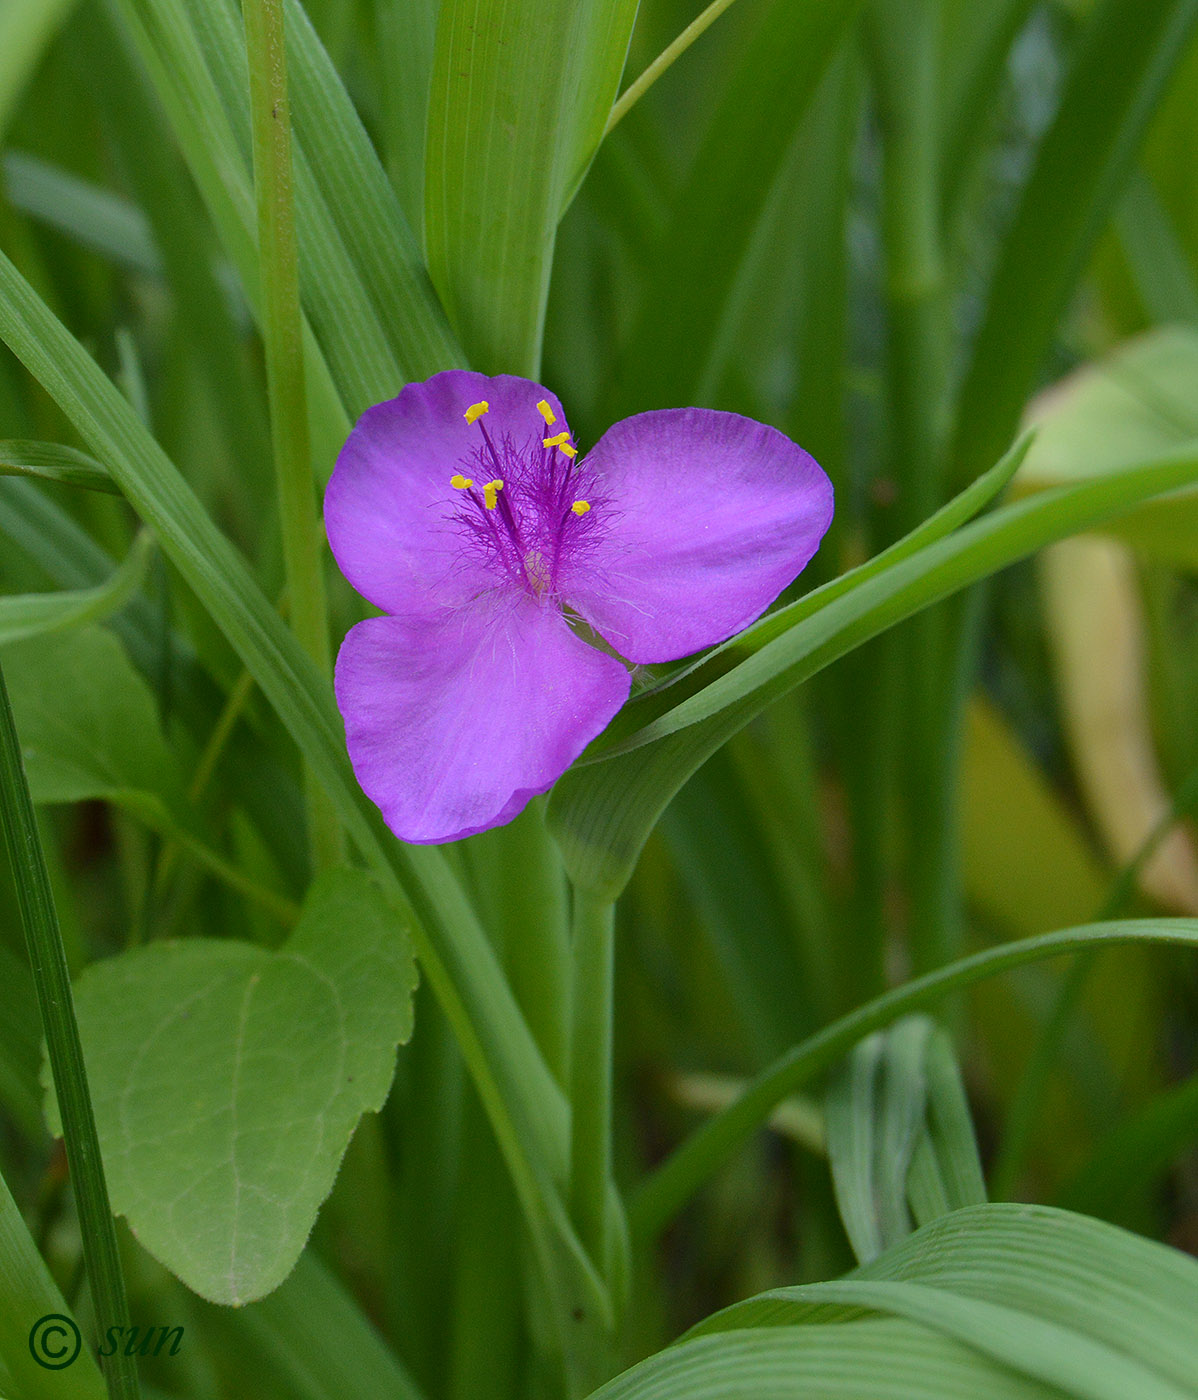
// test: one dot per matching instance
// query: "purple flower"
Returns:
(463, 510)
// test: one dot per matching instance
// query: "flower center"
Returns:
(523, 506)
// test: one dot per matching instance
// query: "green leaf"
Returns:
(1136, 401)
(49, 461)
(88, 724)
(721, 203)
(27, 28)
(1162, 272)
(95, 217)
(893, 1358)
(315, 1335)
(228, 1078)
(1125, 58)
(28, 1292)
(365, 208)
(1058, 1298)
(89, 729)
(365, 293)
(520, 89)
(898, 1128)
(30, 615)
(602, 812)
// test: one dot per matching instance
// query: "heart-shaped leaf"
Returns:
(227, 1080)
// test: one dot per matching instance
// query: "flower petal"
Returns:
(389, 508)
(711, 515)
(454, 720)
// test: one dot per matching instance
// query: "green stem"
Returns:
(633, 93)
(664, 1193)
(52, 981)
(282, 336)
(591, 1072)
(905, 62)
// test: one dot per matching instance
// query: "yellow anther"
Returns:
(476, 410)
(491, 490)
(547, 413)
(561, 441)
(580, 507)
(460, 482)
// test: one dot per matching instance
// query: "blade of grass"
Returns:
(49, 461)
(27, 1292)
(52, 979)
(28, 615)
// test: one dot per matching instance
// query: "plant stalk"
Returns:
(282, 336)
(591, 1072)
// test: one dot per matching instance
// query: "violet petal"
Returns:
(454, 720)
(711, 516)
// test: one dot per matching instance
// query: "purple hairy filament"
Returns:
(531, 510)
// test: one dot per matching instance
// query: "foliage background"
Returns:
(884, 228)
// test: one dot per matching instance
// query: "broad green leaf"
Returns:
(28, 1292)
(258, 775)
(30, 615)
(886, 1359)
(89, 729)
(1135, 401)
(1062, 1298)
(713, 218)
(50, 461)
(1126, 55)
(602, 812)
(520, 89)
(227, 1080)
(88, 725)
